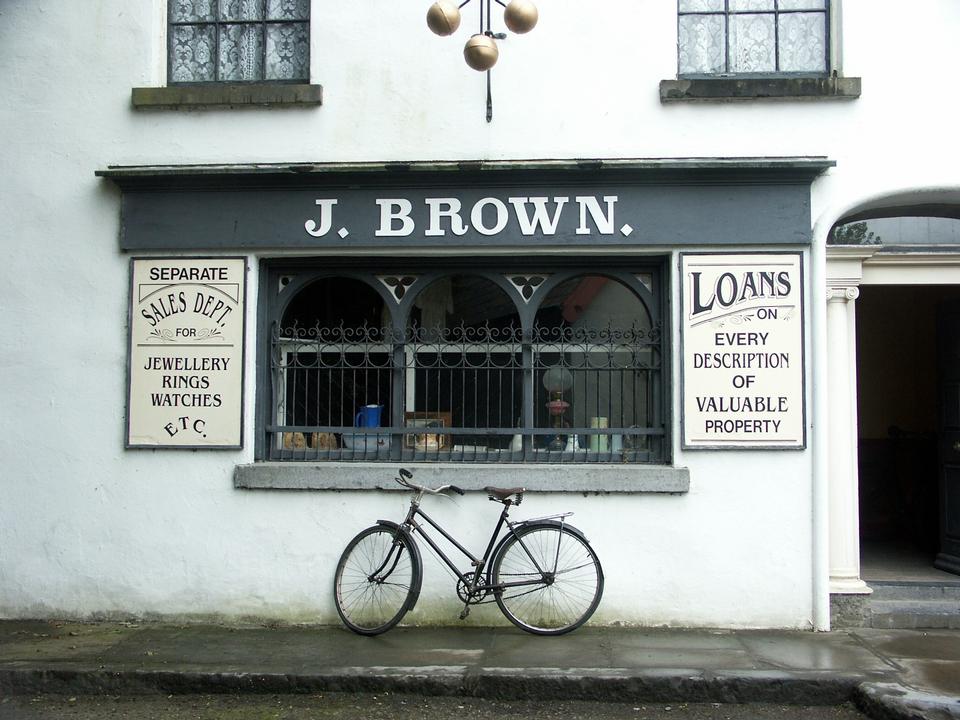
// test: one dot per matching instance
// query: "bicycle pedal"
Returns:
(464, 613)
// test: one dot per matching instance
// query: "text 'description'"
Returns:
(742, 335)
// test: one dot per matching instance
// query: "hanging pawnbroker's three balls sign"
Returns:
(443, 18)
(520, 16)
(481, 52)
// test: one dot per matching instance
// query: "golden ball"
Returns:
(443, 17)
(481, 52)
(521, 16)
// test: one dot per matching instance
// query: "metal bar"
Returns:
(191, 23)
(493, 537)
(721, 13)
(529, 395)
(726, 35)
(436, 548)
(489, 98)
(263, 34)
(216, 46)
(436, 526)
(776, 35)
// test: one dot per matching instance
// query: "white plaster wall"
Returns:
(88, 529)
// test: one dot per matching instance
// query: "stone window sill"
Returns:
(226, 95)
(537, 478)
(729, 89)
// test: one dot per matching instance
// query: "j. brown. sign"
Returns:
(186, 352)
(473, 217)
(743, 351)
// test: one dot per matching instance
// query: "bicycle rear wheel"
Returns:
(562, 577)
(377, 580)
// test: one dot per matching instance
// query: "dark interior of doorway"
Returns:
(897, 391)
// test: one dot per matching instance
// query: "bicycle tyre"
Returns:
(551, 607)
(371, 606)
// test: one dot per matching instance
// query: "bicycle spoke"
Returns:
(374, 581)
(570, 586)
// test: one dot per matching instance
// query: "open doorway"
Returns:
(899, 384)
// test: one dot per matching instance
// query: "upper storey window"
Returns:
(231, 41)
(753, 37)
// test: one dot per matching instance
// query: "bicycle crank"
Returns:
(469, 597)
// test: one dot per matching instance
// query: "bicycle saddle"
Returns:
(501, 494)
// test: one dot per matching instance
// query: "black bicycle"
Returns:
(542, 573)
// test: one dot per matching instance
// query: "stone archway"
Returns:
(853, 267)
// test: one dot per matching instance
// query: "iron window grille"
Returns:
(519, 385)
(238, 41)
(753, 37)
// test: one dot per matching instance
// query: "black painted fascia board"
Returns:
(686, 171)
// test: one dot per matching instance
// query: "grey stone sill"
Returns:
(728, 89)
(220, 95)
(539, 478)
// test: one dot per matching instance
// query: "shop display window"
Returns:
(452, 365)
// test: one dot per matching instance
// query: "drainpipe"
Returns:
(821, 488)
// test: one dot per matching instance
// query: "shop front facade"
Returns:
(270, 297)
(516, 324)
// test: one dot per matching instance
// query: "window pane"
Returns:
(192, 10)
(702, 44)
(467, 300)
(288, 51)
(192, 50)
(465, 364)
(332, 302)
(746, 5)
(460, 381)
(241, 52)
(701, 5)
(241, 9)
(803, 4)
(596, 358)
(592, 303)
(331, 356)
(288, 9)
(803, 42)
(752, 44)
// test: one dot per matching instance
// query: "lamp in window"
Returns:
(481, 52)
(556, 381)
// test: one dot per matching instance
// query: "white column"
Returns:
(842, 443)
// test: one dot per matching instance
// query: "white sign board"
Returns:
(743, 351)
(186, 352)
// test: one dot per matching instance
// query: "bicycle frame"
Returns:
(480, 564)
(541, 572)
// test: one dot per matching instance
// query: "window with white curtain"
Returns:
(753, 37)
(235, 41)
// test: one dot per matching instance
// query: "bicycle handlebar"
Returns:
(406, 476)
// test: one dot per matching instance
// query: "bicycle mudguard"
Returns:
(415, 551)
(553, 523)
(529, 524)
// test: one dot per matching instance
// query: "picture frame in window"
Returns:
(427, 419)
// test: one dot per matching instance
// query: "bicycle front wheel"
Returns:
(377, 580)
(551, 577)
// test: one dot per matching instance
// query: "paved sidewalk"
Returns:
(888, 673)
